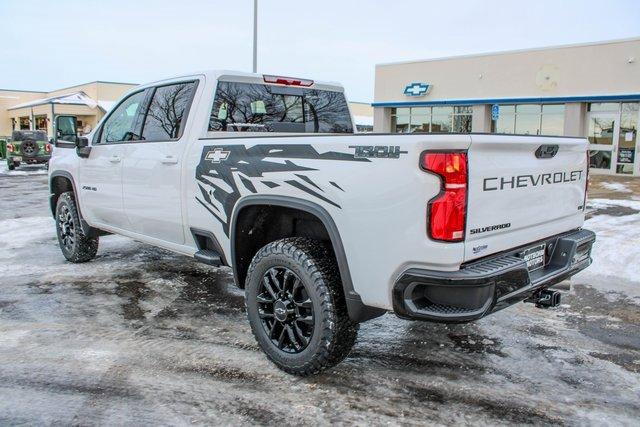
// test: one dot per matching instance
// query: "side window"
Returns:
(167, 112)
(120, 124)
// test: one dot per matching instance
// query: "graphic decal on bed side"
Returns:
(219, 191)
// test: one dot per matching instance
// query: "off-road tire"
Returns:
(334, 333)
(11, 166)
(82, 248)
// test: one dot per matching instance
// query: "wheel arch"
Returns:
(60, 182)
(357, 310)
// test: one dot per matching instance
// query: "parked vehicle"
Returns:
(324, 229)
(28, 147)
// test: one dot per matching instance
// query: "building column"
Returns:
(481, 118)
(382, 120)
(575, 119)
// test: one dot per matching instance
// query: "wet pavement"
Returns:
(143, 336)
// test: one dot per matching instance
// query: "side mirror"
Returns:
(82, 147)
(82, 142)
(66, 129)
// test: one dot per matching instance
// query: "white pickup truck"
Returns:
(323, 228)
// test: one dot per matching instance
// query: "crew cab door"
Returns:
(152, 177)
(100, 182)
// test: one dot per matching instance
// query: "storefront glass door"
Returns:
(603, 130)
(627, 156)
(612, 130)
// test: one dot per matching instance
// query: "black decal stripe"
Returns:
(225, 226)
(206, 196)
(299, 186)
(248, 184)
(336, 185)
(309, 181)
(255, 162)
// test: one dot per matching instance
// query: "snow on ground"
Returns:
(616, 253)
(22, 170)
(37, 247)
(616, 186)
(142, 336)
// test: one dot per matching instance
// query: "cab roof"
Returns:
(239, 76)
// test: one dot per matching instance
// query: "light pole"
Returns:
(255, 36)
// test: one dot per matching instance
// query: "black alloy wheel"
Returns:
(66, 228)
(296, 306)
(75, 245)
(285, 310)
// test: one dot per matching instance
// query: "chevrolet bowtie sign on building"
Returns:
(416, 89)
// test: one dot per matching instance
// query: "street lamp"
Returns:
(255, 36)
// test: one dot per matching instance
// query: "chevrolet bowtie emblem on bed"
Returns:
(416, 89)
(217, 155)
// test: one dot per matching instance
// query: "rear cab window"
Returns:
(256, 107)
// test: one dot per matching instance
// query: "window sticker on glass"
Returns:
(258, 107)
(223, 111)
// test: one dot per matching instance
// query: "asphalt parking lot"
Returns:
(143, 336)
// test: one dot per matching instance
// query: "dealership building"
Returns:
(34, 110)
(588, 90)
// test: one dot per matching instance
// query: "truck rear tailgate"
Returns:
(522, 189)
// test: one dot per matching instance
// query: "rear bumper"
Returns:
(490, 284)
(30, 160)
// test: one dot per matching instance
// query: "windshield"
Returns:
(247, 107)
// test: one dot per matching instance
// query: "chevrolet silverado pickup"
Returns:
(323, 228)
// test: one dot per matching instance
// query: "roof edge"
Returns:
(522, 100)
(512, 51)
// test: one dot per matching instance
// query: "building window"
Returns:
(530, 119)
(41, 123)
(627, 138)
(24, 123)
(431, 119)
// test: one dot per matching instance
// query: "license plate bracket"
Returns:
(534, 256)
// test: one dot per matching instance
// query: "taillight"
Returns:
(289, 81)
(47, 148)
(447, 212)
(10, 148)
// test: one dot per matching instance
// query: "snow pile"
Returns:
(616, 186)
(22, 170)
(616, 253)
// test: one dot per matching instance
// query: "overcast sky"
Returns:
(47, 45)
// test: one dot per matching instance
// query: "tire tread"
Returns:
(87, 247)
(339, 332)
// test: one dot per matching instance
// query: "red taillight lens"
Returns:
(448, 211)
(47, 148)
(10, 148)
(289, 81)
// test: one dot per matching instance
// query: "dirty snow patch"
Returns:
(617, 186)
(22, 170)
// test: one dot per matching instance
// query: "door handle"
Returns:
(170, 160)
(114, 159)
